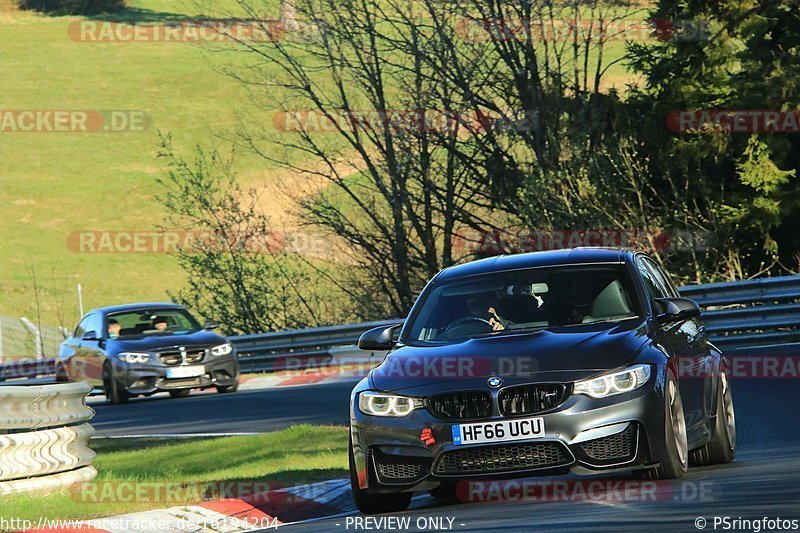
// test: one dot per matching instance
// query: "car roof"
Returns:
(571, 256)
(135, 307)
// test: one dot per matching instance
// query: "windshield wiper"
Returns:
(522, 330)
(500, 332)
(601, 321)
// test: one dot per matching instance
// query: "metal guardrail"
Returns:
(44, 435)
(738, 315)
(292, 350)
(743, 315)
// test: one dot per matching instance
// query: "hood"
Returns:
(564, 354)
(155, 342)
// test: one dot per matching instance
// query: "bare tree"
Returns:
(396, 193)
(238, 269)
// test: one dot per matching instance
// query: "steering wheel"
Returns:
(460, 322)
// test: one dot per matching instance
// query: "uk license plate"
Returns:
(498, 431)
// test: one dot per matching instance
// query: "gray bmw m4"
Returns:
(583, 361)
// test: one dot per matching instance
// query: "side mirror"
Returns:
(378, 339)
(675, 309)
(210, 324)
(90, 336)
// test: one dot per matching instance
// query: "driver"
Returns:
(113, 328)
(160, 323)
(482, 307)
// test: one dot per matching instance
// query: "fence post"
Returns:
(37, 335)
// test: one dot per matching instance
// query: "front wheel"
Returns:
(182, 393)
(675, 463)
(115, 394)
(375, 503)
(228, 388)
(446, 491)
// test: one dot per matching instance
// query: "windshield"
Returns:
(149, 322)
(524, 300)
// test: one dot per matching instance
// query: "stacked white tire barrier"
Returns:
(44, 436)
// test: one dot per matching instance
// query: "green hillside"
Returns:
(56, 183)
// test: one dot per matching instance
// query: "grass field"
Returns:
(57, 184)
(294, 456)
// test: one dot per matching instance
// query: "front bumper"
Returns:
(583, 435)
(148, 379)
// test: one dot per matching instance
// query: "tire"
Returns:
(721, 448)
(676, 461)
(115, 394)
(228, 388)
(445, 491)
(61, 374)
(375, 503)
(182, 393)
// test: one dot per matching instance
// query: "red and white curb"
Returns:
(252, 512)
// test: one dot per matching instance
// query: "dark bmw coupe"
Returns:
(141, 349)
(539, 364)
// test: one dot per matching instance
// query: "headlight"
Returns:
(134, 357)
(222, 349)
(377, 404)
(615, 382)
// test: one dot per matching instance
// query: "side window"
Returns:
(664, 278)
(653, 285)
(81, 329)
(96, 324)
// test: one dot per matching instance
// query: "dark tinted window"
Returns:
(663, 278)
(654, 286)
(515, 301)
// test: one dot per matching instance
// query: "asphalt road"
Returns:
(763, 481)
(252, 411)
